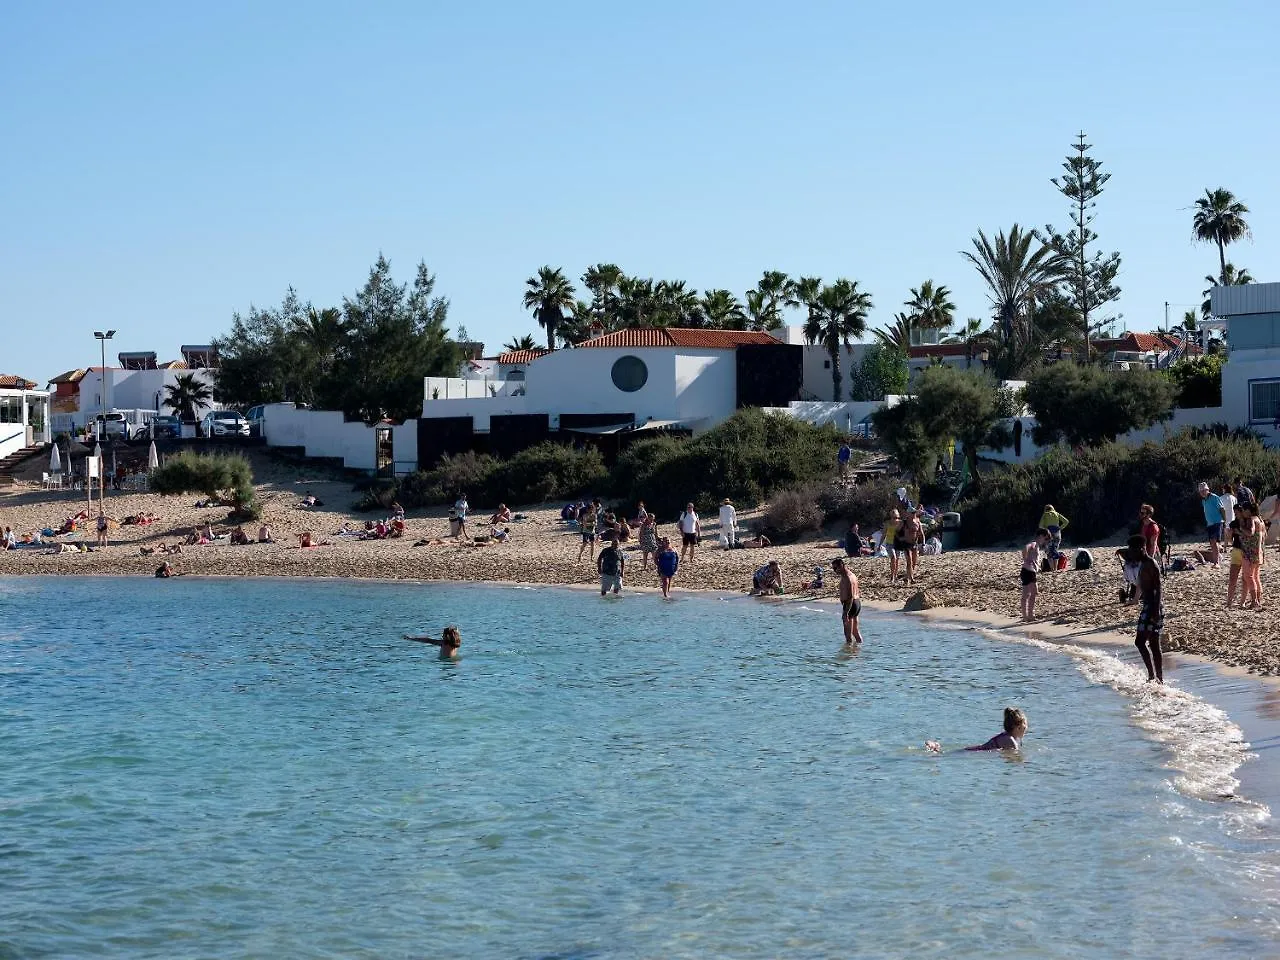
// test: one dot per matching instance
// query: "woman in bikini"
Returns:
(1252, 534)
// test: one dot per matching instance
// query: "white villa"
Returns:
(136, 385)
(1251, 375)
(24, 415)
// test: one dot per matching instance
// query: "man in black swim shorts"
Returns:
(850, 601)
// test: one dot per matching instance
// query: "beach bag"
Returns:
(1084, 560)
(1180, 564)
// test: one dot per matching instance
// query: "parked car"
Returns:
(112, 426)
(255, 418)
(165, 426)
(224, 423)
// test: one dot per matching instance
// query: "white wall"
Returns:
(845, 416)
(467, 388)
(1182, 419)
(816, 370)
(325, 433)
(1243, 366)
(706, 387)
(134, 390)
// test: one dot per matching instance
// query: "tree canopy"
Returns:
(367, 358)
(1088, 405)
(1219, 219)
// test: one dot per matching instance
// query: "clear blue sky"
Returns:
(164, 166)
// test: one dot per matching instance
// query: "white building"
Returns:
(24, 415)
(137, 385)
(1251, 375)
(816, 381)
(634, 379)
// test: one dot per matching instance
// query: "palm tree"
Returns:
(549, 295)
(930, 307)
(1230, 277)
(766, 300)
(837, 314)
(636, 305)
(525, 342)
(1190, 321)
(723, 311)
(1220, 219)
(1020, 271)
(898, 336)
(185, 395)
(322, 333)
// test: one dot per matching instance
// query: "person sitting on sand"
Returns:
(304, 539)
(817, 583)
(397, 511)
(503, 535)
(449, 643)
(10, 542)
(166, 570)
(396, 527)
(502, 516)
(1015, 729)
(768, 579)
(239, 538)
(265, 535)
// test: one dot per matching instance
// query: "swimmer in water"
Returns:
(448, 643)
(1015, 728)
(850, 601)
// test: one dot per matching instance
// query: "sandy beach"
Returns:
(543, 549)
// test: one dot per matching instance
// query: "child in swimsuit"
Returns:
(1015, 729)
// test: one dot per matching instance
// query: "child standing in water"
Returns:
(1015, 729)
(449, 643)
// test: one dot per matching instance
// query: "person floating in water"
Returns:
(850, 601)
(449, 643)
(1015, 729)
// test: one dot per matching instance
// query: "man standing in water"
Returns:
(1150, 611)
(609, 565)
(850, 601)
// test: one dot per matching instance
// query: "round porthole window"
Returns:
(629, 374)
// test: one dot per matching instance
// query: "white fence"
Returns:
(326, 433)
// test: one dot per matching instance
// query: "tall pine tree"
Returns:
(1090, 278)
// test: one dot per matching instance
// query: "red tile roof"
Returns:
(12, 382)
(512, 357)
(1143, 343)
(678, 337)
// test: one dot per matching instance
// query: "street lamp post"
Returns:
(102, 339)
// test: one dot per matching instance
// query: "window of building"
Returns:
(629, 374)
(1264, 401)
(516, 376)
(826, 364)
(10, 409)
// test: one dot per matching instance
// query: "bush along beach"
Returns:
(1100, 488)
(227, 479)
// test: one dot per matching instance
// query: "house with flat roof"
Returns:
(1251, 375)
(617, 384)
(24, 415)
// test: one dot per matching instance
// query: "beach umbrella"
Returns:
(153, 458)
(97, 457)
(55, 460)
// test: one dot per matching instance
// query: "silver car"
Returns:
(224, 423)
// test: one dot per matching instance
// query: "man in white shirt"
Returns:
(1228, 504)
(728, 524)
(690, 530)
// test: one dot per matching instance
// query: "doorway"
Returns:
(384, 452)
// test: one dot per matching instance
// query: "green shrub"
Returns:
(791, 515)
(1198, 381)
(226, 478)
(1099, 489)
(545, 471)
(1087, 405)
(867, 504)
(749, 458)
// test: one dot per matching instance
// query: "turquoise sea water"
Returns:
(265, 769)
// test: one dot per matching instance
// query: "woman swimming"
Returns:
(449, 642)
(1015, 728)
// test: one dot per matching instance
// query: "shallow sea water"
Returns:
(207, 768)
